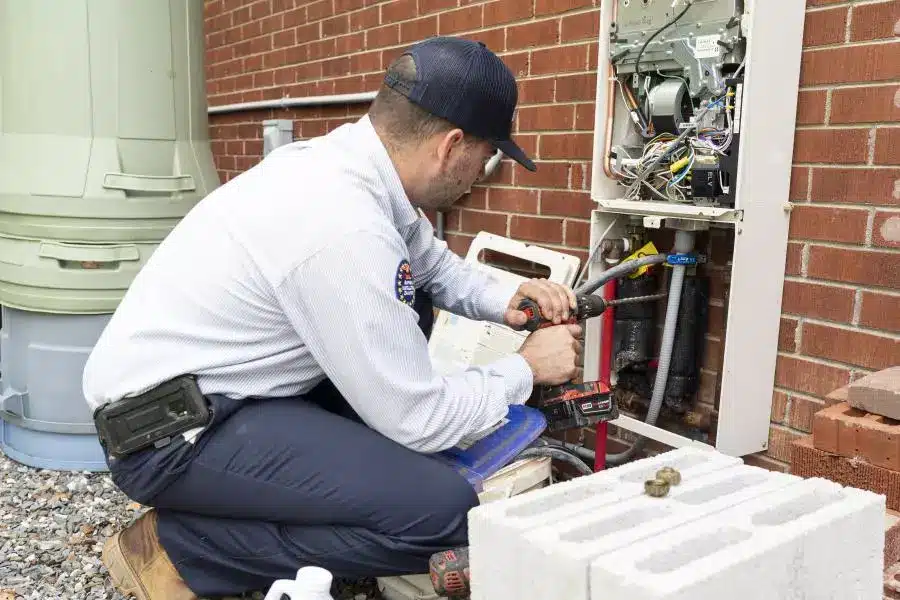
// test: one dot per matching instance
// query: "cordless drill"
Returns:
(571, 405)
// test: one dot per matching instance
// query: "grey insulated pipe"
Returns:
(684, 243)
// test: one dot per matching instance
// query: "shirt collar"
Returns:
(394, 201)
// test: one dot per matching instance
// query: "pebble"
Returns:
(52, 529)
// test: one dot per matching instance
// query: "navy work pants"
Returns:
(277, 484)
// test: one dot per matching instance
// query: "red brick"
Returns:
(584, 117)
(865, 104)
(877, 268)
(886, 229)
(799, 183)
(808, 377)
(853, 347)
(540, 33)
(348, 5)
(476, 221)
(837, 396)
(580, 27)
(350, 85)
(549, 7)
(476, 198)
(398, 10)
(536, 229)
(825, 27)
(518, 63)
(459, 244)
(320, 10)
(385, 36)
(811, 107)
(429, 6)
(800, 416)
(779, 408)
(851, 64)
(857, 186)
(578, 233)
(339, 25)
(574, 145)
(576, 87)
(350, 44)
(566, 204)
(794, 260)
(875, 21)
(322, 49)
(494, 39)
(807, 461)
(849, 432)
(536, 91)
(413, 31)
(880, 311)
(887, 146)
(559, 60)
(364, 19)
(820, 301)
(843, 146)
(825, 223)
(365, 62)
(507, 11)
(513, 200)
(548, 175)
(780, 440)
(464, 19)
(543, 118)
(787, 333)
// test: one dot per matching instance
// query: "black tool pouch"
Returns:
(152, 418)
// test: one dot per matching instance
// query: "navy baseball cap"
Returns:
(465, 83)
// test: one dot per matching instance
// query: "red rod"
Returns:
(607, 324)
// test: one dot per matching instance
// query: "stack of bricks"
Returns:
(855, 441)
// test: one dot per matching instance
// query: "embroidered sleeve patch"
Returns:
(404, 288)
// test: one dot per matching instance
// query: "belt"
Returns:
(152, 418)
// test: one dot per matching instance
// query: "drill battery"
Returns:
(574, 405)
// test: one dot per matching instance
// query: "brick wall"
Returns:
(841, 315)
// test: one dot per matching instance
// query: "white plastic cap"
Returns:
(314, 579)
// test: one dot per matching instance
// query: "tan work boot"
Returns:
(138, 565)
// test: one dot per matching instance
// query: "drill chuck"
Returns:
(587, 306)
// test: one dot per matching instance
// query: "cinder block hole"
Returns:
(691, 550)
(616, 523)
(681, 463)
(789, 510)
(537, 507)
(887, 421)
(721, 488)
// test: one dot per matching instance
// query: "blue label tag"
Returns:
(681, 259)
(404, 288)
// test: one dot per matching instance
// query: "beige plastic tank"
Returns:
(103, 118)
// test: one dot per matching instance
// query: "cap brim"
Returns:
(509, 148)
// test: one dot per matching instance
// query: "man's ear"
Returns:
(449, 143)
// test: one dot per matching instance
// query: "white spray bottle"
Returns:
(312, 583)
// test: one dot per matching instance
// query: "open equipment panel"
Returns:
(695, 118)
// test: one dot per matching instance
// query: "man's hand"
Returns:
(555, 354)
(556, 302)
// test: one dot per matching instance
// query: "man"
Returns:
(287, 296)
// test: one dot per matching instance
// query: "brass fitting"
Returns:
(656, 488)
(669, 475)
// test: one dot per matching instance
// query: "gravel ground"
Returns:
(52, 529)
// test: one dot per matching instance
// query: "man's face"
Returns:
(455, 171)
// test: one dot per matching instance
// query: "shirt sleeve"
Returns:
(351, 304)
(454, 284)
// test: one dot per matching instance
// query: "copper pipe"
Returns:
(610, 109)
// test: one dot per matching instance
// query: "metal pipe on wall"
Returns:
(359, 98)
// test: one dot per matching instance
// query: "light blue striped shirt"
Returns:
(301, 268)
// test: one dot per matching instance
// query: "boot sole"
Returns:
(123, 576)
